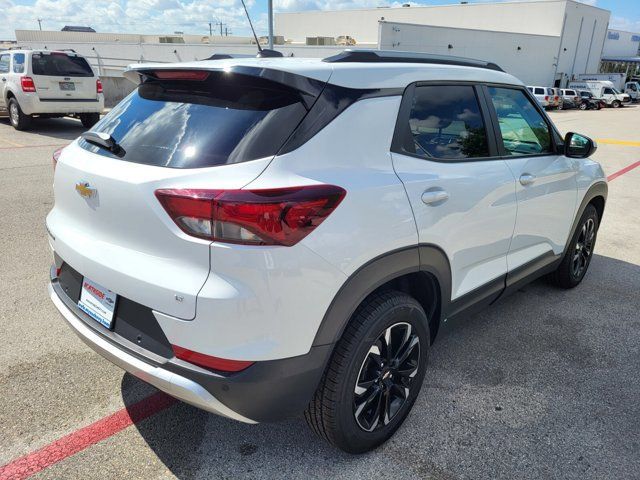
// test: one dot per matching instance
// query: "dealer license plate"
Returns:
(67, 86)
(97, 302)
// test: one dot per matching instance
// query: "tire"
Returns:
(561, 106)
(18, 119)
(89, 119)
(583, 106)
(347, 414)
(576, 260)
(599, 107)
(616, 104)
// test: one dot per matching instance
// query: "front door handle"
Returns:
(527, 179)
(431, 197)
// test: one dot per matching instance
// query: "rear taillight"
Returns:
(27, 84)
(207, 361)
(546, 97)
(278, 216)
(98, 86)
(55, 157)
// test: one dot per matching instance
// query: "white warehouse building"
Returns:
(543, 42)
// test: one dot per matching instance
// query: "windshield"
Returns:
(226, 118)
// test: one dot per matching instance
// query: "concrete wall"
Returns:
(584, 32)
(621, 44)
(533, 63)
(541, 18)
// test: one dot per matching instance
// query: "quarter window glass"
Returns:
(4, 63)
(539, 91)
(18, 63)
(445, 123)
(524, 130)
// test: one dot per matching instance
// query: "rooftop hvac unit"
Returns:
(321, 41)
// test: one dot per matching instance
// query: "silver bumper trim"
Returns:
(175, 385)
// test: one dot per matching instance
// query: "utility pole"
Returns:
(270, 12)
(40, 24)
(210, 30)
(221, 27)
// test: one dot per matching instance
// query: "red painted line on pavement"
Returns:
(35, 146)
(77, 441)
(623, 171)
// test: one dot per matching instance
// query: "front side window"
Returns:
(4, 63)
(608, 91)
(18, 63)
(445, 123)
(524, 130)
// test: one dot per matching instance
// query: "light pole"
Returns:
(270, 14)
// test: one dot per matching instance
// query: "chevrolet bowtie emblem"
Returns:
(85, 190)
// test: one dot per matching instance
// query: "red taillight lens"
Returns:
(197, 75)
(55, 157)
(27, 84)
(98, 86)
(207, 361)
(279, 216)
(546, 97)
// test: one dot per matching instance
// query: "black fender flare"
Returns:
(598, 189)
(375, 273)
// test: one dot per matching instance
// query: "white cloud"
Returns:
(624, 23)
(135, 16)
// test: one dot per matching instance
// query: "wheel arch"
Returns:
(596, 195)
(420, 271)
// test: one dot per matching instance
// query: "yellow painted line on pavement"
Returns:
(11, 143)
(613, 141)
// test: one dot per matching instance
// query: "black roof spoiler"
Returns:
(391, 56)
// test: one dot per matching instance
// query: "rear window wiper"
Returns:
(104, 140)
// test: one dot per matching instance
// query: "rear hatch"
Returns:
(212, 130)
(62, 76)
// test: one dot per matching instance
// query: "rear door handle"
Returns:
(431, 197)
(527, 179)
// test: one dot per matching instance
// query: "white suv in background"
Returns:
(266, 237)
(47, 84)
(542, 95)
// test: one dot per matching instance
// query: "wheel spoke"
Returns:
(369, 410)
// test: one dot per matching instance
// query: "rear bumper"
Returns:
(266, 391)
(31, 104)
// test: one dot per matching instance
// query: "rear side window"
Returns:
(524, 131)
(227, 118)
(60, 65)
(539, 91)
(445, 123)
(4, 63)
(18, 63)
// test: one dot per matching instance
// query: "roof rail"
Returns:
(392, 56)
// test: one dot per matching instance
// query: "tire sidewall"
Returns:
(359, 440)
(589, 213)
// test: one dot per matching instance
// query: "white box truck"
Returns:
(604, 90)
(616, 78)
(633, 90)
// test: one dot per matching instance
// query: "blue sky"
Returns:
(193, 16)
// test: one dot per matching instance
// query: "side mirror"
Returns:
(578, 146)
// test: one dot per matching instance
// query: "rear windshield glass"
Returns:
(227, 118)
(60, 65)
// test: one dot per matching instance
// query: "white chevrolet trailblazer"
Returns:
(269, 237)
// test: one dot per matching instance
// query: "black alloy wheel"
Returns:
(386, 376)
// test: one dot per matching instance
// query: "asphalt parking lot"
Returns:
(544, 384)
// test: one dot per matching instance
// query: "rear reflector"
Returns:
(98, 86)
(278, 216)
(27, 84)
(197, 75)
(207, 361)
(55, 157)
